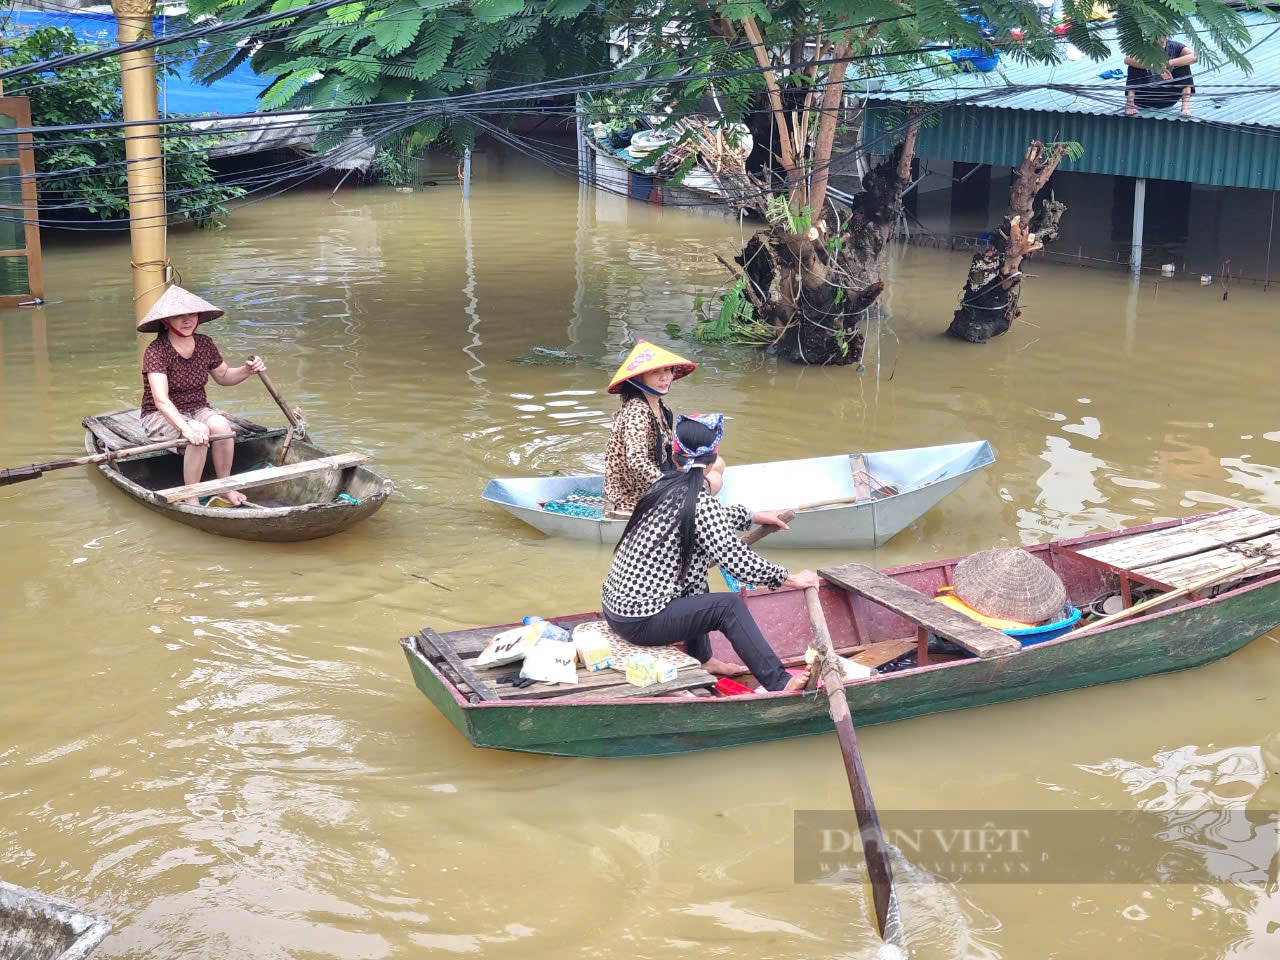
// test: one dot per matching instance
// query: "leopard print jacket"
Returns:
(631, 461)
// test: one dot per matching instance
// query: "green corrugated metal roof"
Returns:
(1233, 139)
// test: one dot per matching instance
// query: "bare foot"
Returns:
(1186, 111)
(235, 497)
(798, 682)
(1130, 111)
(722, 668)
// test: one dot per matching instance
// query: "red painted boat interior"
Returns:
(784, 620)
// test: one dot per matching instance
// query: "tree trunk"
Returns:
(989, 301)
(817, 292)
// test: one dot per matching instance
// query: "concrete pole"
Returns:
(466, 173)
(144, 156)
(1139, 209)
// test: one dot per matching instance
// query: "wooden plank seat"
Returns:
(1185, 571)
(1142, 552)
(922, 610)
(115, 431)
(260, 478)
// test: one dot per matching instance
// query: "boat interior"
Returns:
(256, 447)
(890, 622)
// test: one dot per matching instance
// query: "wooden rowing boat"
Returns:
(34, 926)
(854, 501)
(878, 616)
(314, 494)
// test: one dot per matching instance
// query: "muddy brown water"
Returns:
(218, 744)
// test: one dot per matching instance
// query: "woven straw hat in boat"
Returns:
(1009, 583)
(176, 302)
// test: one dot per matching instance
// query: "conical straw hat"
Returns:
(1009, 583)
(176, 302)
(645, 356)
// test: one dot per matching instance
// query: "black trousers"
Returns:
(689, 620)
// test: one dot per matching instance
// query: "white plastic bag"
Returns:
(508, 646)
(849, 668)
(551, 661)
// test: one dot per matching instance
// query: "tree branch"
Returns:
(788, 156)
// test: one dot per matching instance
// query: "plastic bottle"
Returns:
(549, 630)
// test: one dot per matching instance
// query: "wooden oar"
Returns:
(289, 414)
(18, 474)
(873, 845)
(757, 533)
(1164, 598)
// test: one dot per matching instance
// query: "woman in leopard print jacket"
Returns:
(640, 439)
(657, 592)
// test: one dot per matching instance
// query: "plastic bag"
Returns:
(551, 661)
(850, 669)
(508, 646)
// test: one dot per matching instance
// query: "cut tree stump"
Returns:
(989, 300)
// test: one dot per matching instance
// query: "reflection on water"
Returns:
(217, 744)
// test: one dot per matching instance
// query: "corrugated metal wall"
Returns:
(1211, 154)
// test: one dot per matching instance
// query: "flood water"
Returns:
(218, 745)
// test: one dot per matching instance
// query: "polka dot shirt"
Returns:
(644, 576)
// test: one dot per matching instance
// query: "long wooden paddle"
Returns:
(755, 534)
(873, 845)
(1164, 598)
(289, 414)
(18, 474)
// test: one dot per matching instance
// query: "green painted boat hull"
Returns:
(1185, 637)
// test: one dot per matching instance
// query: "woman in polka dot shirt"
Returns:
(656, 592)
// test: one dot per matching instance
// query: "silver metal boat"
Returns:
(880, 493)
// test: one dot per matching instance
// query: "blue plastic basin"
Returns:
(1047, 631)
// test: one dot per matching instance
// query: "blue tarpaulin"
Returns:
(178, 95)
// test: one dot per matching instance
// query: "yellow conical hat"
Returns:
(645, 356)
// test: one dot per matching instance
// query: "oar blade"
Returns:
(18, 474)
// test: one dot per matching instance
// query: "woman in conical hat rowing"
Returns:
(639, 445)
(657, 593)
(175, 368)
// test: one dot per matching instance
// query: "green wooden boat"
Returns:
(1227, 562)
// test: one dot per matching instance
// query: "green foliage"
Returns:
(736, 321)
(381, 52)
(83, 169)
(394, 166)
(1071, 149)
(781, 212)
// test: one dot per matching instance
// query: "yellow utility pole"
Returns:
(143, 154)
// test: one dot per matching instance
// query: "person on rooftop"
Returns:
(1148, 88)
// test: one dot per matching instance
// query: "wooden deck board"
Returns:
(687, 678)
(430, 642)
(1185, 571)
(259, 478)
(878, 654)
(587, 680)
(1145, 551)
(921, 609)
